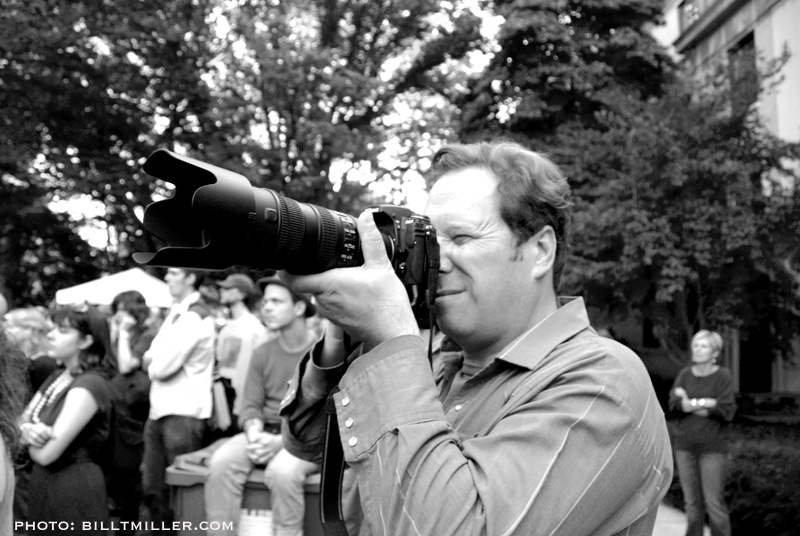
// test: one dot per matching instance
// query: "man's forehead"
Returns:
(476, 177)
(275, 290)
(462, 189)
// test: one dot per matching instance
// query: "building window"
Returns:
(743, 74)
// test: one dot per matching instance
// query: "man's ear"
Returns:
(300, 308)
(542, 247)
(87, 341)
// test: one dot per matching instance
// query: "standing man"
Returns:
(180, 363)
(538, 425)
(271, 366)
(241, 334)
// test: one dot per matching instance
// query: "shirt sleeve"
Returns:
(169, 351)
(97, 386)
(726, 398)
(563, 461)
(254, 392)
(142, 344)
(674, 400)
(303, 417)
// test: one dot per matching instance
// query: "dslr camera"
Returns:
(216, 219)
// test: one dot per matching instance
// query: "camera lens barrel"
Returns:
(312, 239)
(216, 219)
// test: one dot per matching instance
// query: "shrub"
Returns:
(763, 482)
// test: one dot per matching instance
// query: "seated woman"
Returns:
(66, 427)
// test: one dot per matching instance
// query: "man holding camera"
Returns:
(536, 426)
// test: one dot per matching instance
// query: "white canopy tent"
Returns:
(102, 291)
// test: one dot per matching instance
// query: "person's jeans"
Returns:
(164, 439)
(702, 477)
(284, 475)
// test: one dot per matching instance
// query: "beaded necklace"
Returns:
(51, 393)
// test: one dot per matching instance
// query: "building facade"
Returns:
(737, 35)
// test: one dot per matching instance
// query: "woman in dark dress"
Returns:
(67, 425)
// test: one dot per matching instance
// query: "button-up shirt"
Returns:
(560, 434)
(180, 363)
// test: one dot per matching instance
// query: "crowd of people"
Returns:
(519, 419)
(99, 400)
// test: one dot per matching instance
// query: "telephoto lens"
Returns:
(216, 219)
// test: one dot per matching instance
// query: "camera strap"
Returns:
(333, 456)
(432, 257)
(330, 503)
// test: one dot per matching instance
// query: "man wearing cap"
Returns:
(241, 334)
(271, 366)
(180, 363)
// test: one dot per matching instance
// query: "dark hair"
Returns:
(13, 391)
(90, 321)
(199, 276)
(296, 297)
(531, 189)
(134, 303)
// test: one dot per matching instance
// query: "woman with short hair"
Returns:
(702, 397)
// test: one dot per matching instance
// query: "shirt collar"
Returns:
(530, 348)
(183, 305)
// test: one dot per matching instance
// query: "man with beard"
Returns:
(241, 334)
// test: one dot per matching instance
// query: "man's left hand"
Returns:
(369, 301)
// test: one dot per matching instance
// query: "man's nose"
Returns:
(445, 264)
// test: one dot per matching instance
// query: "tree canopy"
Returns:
(279, 91)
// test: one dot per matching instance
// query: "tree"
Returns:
(279, 91)
(563, 62)
(78, 114)
(316, 79)
(681, 216)
(685, 208)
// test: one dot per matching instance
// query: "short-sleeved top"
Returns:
(92, 442)
(40, 369)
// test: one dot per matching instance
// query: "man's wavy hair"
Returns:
(532, 190)
(13, 391)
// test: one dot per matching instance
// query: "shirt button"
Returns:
(346, 401)
(352, 441)
(349, 422)
(458, 407)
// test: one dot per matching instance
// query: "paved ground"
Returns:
(671, 522)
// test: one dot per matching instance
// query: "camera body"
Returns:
(411, 244)
(216, 219)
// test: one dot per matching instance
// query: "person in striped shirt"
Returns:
(530, 422)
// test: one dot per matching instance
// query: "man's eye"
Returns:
(461, 238)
